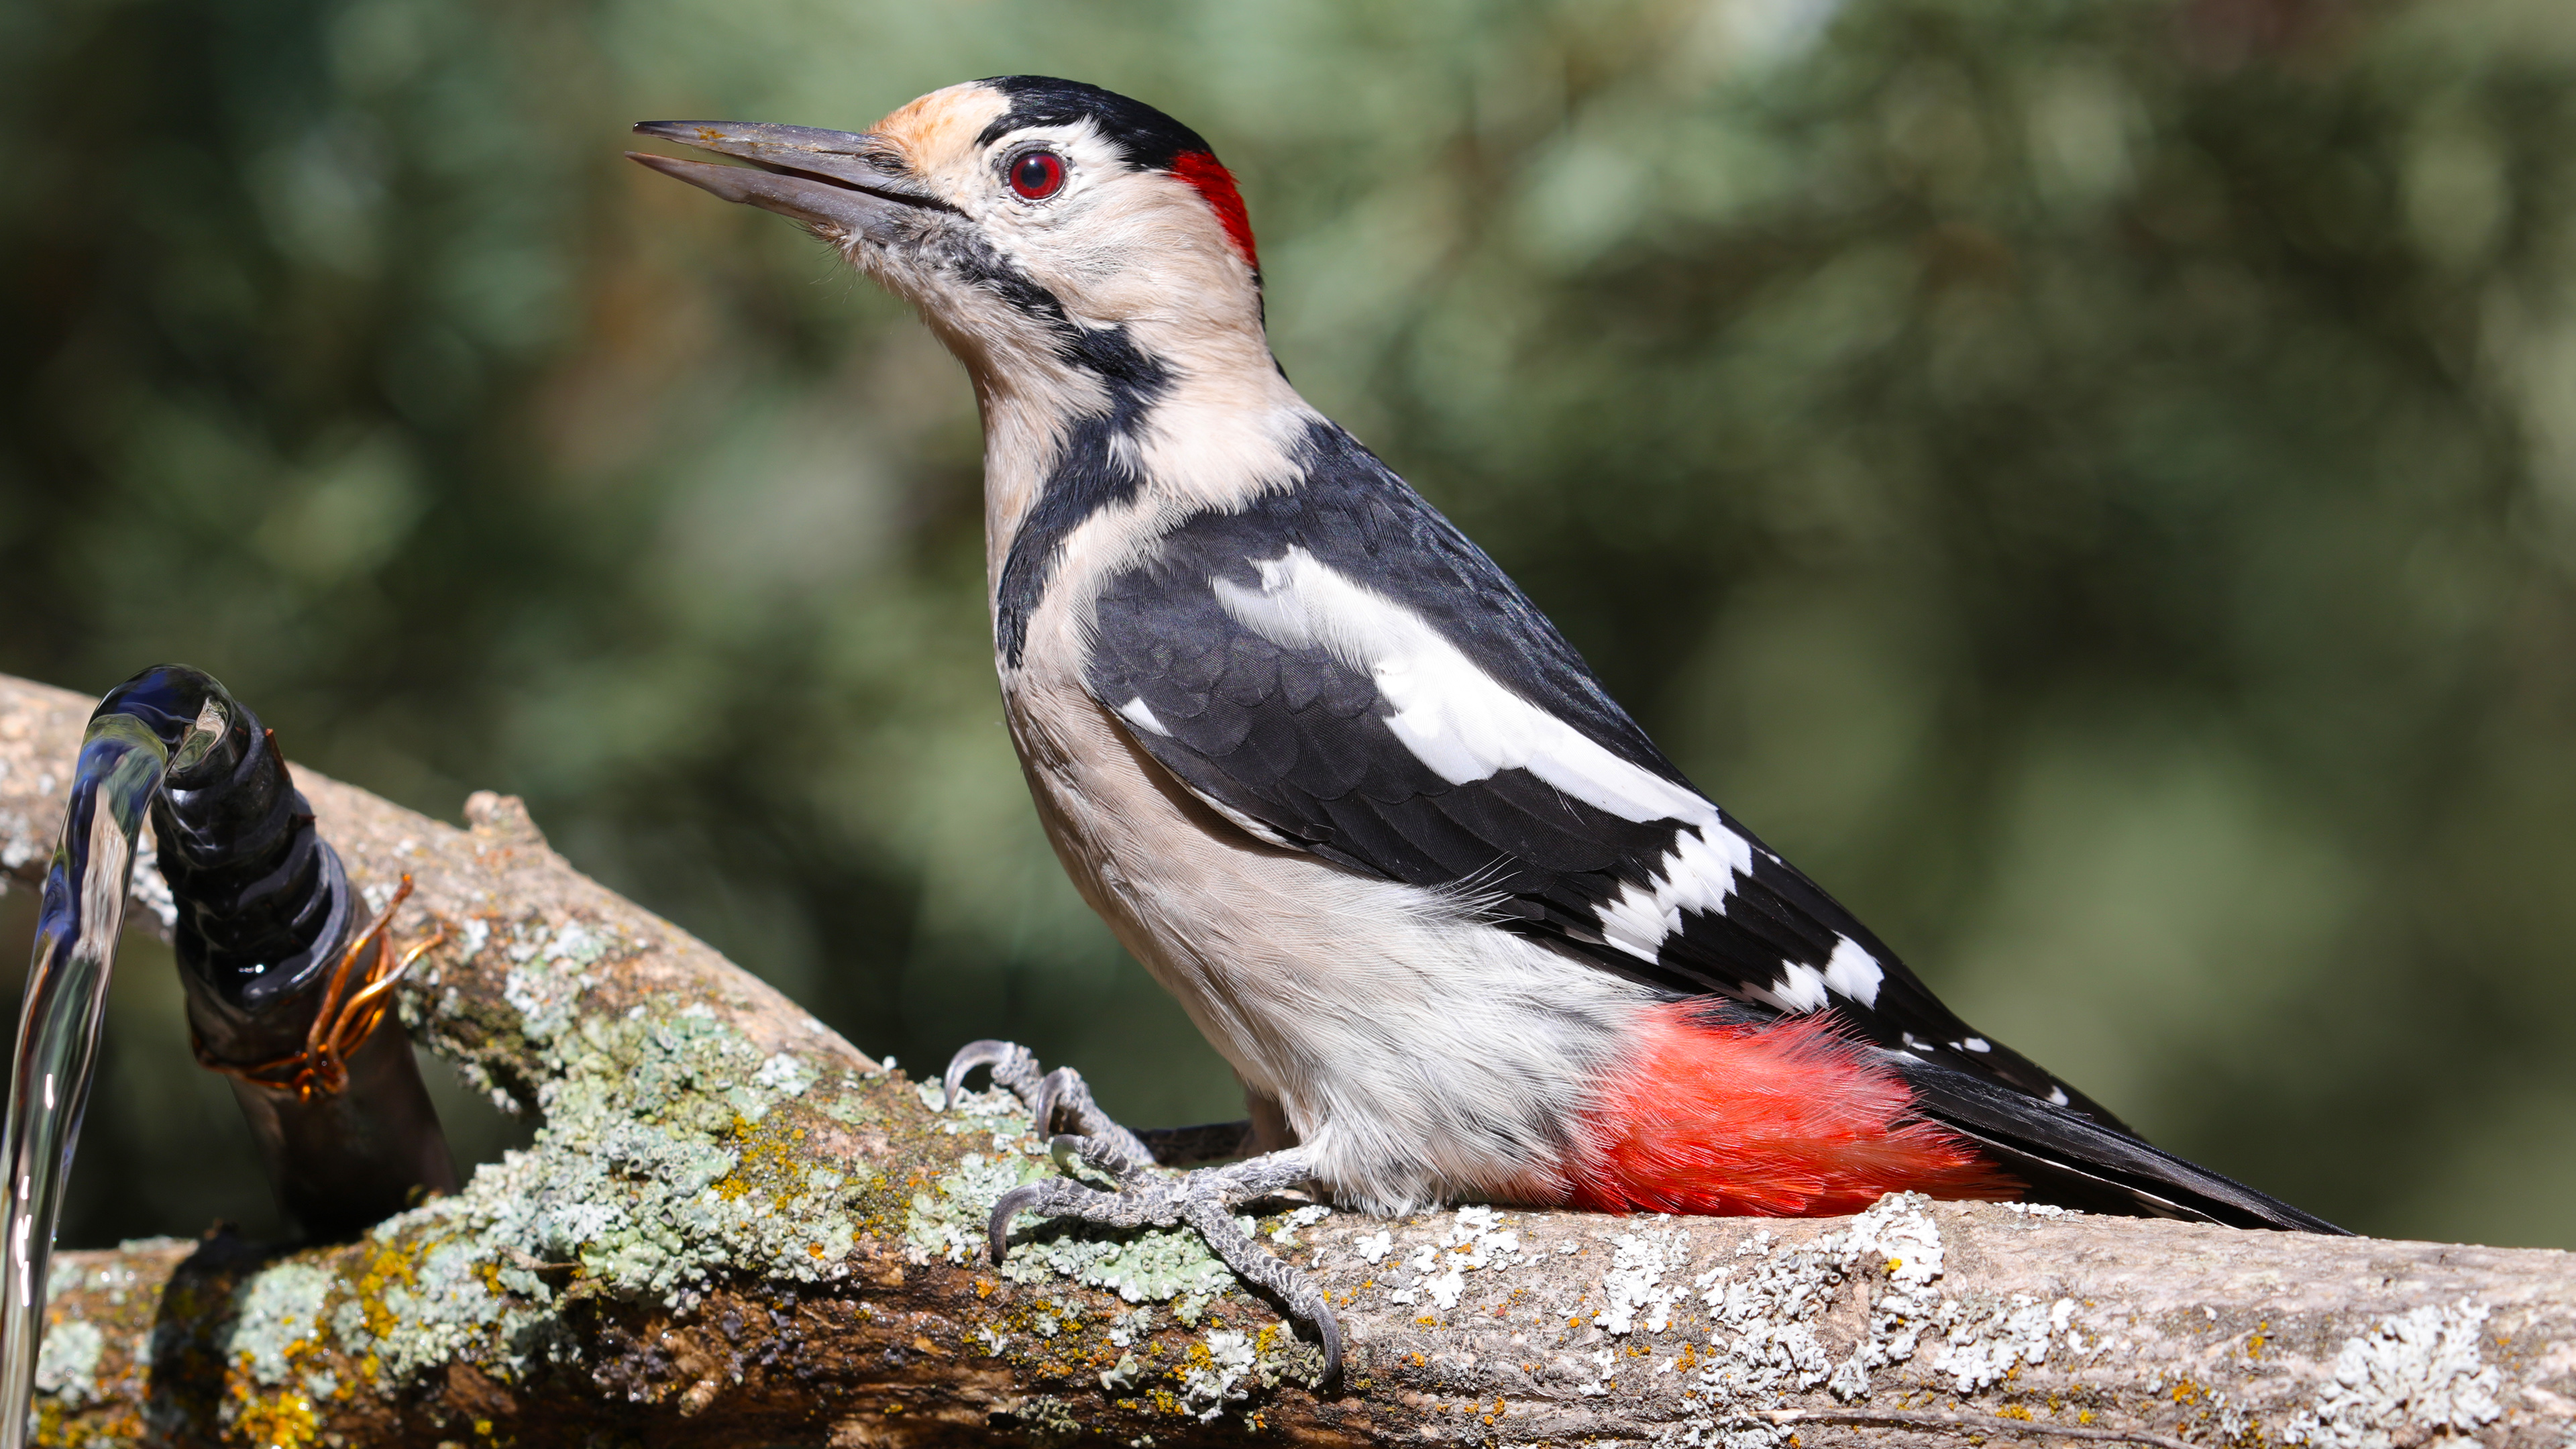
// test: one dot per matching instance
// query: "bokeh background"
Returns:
(2092, 480)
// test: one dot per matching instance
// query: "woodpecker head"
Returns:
(1046, 229)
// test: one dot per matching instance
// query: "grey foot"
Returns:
(1062, 1099)
(1204, 1200)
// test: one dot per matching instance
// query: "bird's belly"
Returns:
(1419, 1052)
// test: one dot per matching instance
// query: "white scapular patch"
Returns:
(1854, 972)
(1140, 714)
(2057, 1095)
(1975, 1044)
(1452, 715)
(1466, 726)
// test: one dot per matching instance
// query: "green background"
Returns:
(2094, 483)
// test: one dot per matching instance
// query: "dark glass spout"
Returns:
(264, 916)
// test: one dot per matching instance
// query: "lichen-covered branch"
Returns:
(736, 1229)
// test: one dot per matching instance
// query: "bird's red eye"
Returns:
(1038, 175)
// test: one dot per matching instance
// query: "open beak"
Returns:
(834, 181)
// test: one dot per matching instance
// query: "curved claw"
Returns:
(997, 1233)
(1054, 1089)
(970, 1056)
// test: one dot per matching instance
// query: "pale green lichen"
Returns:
(67, 1363)
(1153, 1266)
(279, 1319)
(948, 1220)
(672, 1153)
(663, 1162)
(549, 974)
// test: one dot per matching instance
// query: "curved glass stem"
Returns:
(121, 764)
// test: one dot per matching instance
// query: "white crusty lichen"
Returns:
(1896, 1234)
(1762, 1341)
(1214, 1377)
(1472, 1239)
(1986, 1342)
(1763, 1306)
(1636, 1285)
(2412, 1372)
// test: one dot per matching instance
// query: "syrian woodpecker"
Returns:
(1458, 925)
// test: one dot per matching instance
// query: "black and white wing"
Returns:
(1341, 670)
(1338, 669)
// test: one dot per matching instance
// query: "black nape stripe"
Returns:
(1089, 475)
(1148, 139)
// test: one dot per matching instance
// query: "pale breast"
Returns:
(1421, 1051)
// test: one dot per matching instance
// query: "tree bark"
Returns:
(736, 1229)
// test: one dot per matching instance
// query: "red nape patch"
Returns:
(1772, 1121)
(1202, 170)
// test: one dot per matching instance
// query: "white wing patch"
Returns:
(1854, 972)
(1695, 876)
(1465, 726)
(1140, 714)
(1799, 989)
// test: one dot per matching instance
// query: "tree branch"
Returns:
(735, 1228)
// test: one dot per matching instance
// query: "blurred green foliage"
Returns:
(2093, 482)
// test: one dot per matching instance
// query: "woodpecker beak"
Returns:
(833, 181)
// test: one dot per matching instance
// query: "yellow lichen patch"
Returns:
(767, 1161)
(283, 1420)
(388, 1267)
(2014, 1411)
